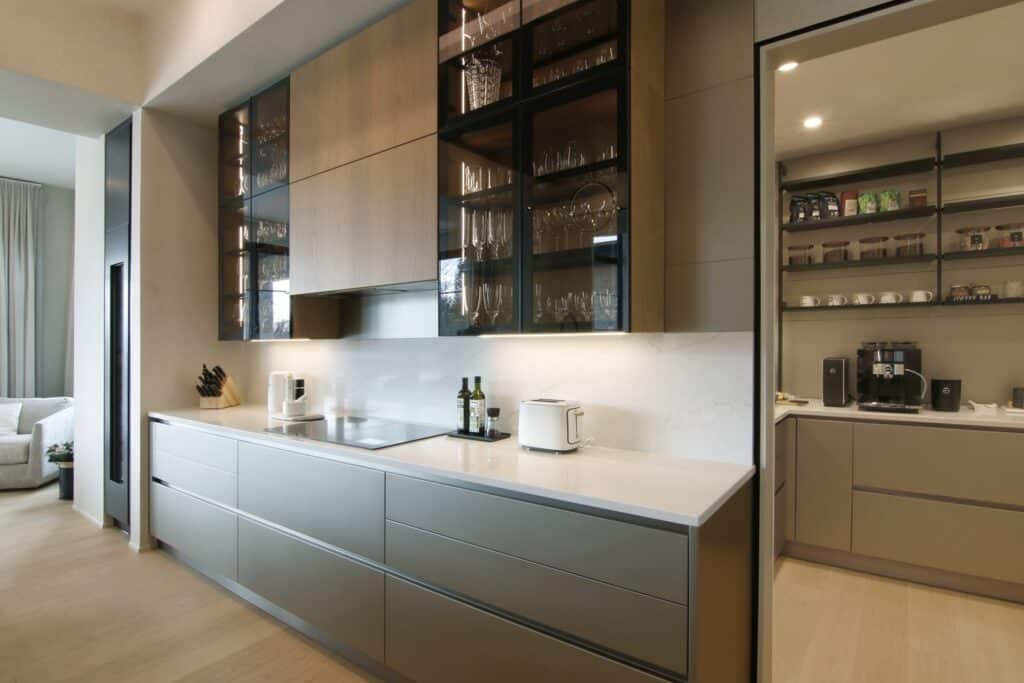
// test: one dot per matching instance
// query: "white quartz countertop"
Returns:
(965, 418)
(676, 489)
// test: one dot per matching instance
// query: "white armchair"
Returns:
(43, 422)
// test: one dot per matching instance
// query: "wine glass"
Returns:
(479, 239)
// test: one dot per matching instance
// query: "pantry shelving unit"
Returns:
(936, 164)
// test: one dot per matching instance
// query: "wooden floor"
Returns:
(838, 626)
(77, 604)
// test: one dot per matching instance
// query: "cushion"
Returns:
(35, 409)
(9, 414)
(14, 449)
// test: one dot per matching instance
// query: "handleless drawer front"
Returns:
(204, 534)
(339, 504)
(339, 597)
(217, 452)
(646, 560)
(434, 639)
(969, 464)
(646, 628)
(967, 539)
(194, 477)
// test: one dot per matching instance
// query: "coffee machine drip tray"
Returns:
(879, 407)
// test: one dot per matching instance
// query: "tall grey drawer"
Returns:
(217, 452)
(339, 597)
(649, 629)
(204, 534)
(194, 477)
(651, 561)
(434, 639)
(339, 504)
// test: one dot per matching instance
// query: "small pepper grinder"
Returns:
(492, 421)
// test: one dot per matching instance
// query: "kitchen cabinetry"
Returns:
(551, 213)
(938, 505)
(824, 456)
(785, 483)
(367, 224)
(440, 582)
(255, 294)
(374, 91)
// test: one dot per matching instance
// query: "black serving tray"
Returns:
(477, 437)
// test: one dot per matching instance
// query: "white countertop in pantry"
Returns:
(675, 489)
(965, 418)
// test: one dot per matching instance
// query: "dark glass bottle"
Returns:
(463, 407)
(477, 409)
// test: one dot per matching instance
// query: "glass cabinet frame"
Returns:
(595, 284)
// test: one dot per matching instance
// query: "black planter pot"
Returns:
(67, 483)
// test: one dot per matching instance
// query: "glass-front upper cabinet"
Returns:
(468, 24)
(582, 36)
(577, 197)
(254, 215)
(479, 189)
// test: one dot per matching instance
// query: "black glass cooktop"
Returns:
(362, 432)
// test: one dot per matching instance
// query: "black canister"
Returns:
(946, 395)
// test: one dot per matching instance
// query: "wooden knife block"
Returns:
(229, 397)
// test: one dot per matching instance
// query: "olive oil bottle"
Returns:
(463, 407)
(477, 409)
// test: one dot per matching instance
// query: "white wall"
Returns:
(53, 292)
(688, 395)
(88, 327)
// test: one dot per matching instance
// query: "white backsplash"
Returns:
(689, 395)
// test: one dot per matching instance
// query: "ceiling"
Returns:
(42, 155)
(961, 72)
(298, 30)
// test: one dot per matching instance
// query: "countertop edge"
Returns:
(380, 461)
(926, 418)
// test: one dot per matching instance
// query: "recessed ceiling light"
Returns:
(812, 122)
(788, 66)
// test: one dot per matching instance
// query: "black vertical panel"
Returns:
(117, 277)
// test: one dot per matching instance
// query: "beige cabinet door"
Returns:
(824, 483)
(370, 93)
(367, 224)
(785, 482)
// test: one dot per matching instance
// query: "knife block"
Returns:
(228, 398)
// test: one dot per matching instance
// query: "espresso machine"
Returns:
(889, 377)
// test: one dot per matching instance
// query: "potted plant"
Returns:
(64, 455)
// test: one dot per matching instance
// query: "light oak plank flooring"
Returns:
(77, 604)
(838, 626)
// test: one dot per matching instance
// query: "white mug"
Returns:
(1013, 289)
(890, 298)
(809, 301)
(863, 299)
(922, 296)
(837, 300)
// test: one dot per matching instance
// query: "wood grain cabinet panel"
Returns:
(372, 92)
(966, 539)
(367, 224)
(824, 483)
(968, 464)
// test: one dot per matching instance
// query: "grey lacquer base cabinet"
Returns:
(428, 581)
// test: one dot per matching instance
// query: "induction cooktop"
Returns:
(362, 432)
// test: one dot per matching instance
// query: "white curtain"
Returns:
(20, 213)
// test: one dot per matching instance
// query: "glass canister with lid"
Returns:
(910, 244)
(973, 238)
(873, 248)
(801, 254)
(835, 252)
(1011, 235)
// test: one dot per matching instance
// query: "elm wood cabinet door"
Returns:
(434, 639)
(339, 597)
(824, 471)
(367, 224)
(966, 539)
(969, 464)
(372, 92)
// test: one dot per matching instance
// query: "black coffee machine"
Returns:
(889, 377)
